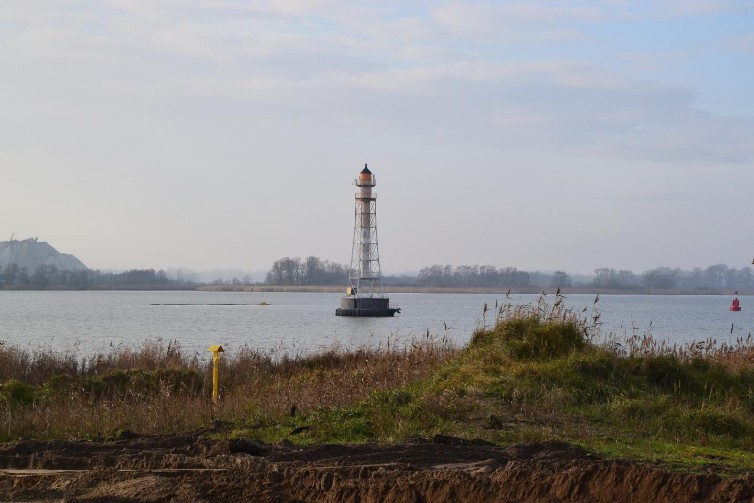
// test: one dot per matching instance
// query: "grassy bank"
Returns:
(535, 374)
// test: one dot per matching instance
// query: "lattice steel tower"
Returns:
(364, 295)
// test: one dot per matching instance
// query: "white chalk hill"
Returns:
(31, 253)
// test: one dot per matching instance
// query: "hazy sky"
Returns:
(226, 134)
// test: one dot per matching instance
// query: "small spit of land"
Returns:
(531, 410)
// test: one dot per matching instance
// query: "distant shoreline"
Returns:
(478, 290)
(388, 289)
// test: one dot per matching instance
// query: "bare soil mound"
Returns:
(192, 469)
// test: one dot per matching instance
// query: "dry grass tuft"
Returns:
(158, 389)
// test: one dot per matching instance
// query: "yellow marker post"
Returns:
(216, 350)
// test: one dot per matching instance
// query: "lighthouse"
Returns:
(364, 295)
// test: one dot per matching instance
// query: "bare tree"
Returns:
(43, 274)
(560, 279)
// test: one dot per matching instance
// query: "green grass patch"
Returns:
(135, 383)
(535, 376)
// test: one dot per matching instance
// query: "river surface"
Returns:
(299, 323)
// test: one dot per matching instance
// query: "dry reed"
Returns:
(159, 389)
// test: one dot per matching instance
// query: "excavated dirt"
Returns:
(192, 469)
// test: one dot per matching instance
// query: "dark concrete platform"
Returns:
(374, 313)
(366, 307)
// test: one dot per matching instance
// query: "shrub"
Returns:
(529, 337)
(15, 392)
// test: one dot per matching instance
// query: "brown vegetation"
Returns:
(157, 389)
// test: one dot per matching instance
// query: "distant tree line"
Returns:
(714, 277)
(48, 276)
(308, 271)
(315, 271)
(471, 276)
(133, 278)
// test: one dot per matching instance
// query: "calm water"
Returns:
(88, 322)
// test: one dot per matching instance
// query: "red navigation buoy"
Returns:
(735, 305)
